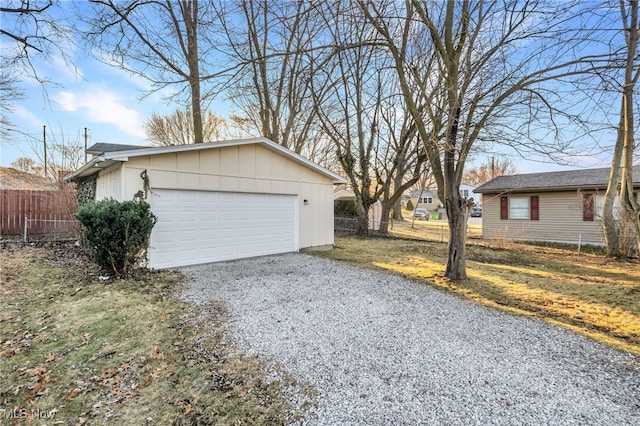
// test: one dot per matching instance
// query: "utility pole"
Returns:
(44, 141)
(85, 145)
(493, 167)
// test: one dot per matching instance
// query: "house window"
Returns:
(600, 206)
(587, 207)
(519, 208)
(593, 204)
(426, 200)
(464, 193)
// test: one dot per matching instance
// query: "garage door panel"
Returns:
(201, 226)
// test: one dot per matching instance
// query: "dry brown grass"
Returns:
(433, 230)
(77, 351)
(588, 293)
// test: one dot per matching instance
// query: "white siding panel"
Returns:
(200, 226)
(109, 184)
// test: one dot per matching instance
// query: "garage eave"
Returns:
(140, 152)
(92, 167)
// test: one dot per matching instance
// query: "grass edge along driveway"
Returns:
(588, 293)
(76, 350)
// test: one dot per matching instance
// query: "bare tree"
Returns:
(29, 31)
(177, 128)
(158, 40)
(487, 171)
(350, 112)
(492, 58)
(400, 159)
(24, 164)
(621, 175)
(278, 52)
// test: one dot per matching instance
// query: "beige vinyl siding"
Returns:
(244, 168)
(560, 220)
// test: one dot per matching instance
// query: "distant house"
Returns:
(560, 207)
(17, 179)
(347, 221)
(428, 199)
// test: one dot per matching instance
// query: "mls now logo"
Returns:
(24, 414)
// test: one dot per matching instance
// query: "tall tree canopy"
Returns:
(161, 41)
(492, 62)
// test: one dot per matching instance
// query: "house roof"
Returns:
(552, 181)
(343, 194)
(11, 178)
(108, 158)
(101, 147)
(425, 193)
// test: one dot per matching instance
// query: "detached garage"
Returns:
(221, 200)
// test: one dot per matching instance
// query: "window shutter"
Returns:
(504, 208)
(587, 208)
(535, 202)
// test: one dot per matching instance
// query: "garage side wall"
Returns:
(247, 169)
(109, 184)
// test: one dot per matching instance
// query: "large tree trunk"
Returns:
(621, 176)
(457, 214)
(632, 73)
(397, 206)
(609, 226)
(384, 218)
(190, 15)
(362, 218)
(397, 211)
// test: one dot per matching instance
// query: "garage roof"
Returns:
(106, 159)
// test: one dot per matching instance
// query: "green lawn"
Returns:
(587, 293)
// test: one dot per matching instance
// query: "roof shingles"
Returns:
(552, 181)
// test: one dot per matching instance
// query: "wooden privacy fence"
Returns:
(45, 213)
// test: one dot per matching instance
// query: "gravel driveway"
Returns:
(381, 349)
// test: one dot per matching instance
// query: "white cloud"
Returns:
(103, 106)
(26, 116)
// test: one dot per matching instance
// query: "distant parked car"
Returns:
(421, 214)
(476, 212)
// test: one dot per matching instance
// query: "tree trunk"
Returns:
(384, 218)
(397, 211)
(621, 176)
(397, 206)
(609, 227)
(457, 215)
(362, 218)
(190, 15)
(632, 73)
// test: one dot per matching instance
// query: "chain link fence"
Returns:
(46, 230)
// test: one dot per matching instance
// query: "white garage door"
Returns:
(199, 226)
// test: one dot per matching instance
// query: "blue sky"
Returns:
(94, 95)
(112, 105)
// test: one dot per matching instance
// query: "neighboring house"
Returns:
(221, 200)
(375, 211)
(556, 207)
(428, 199)
(17, 179)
